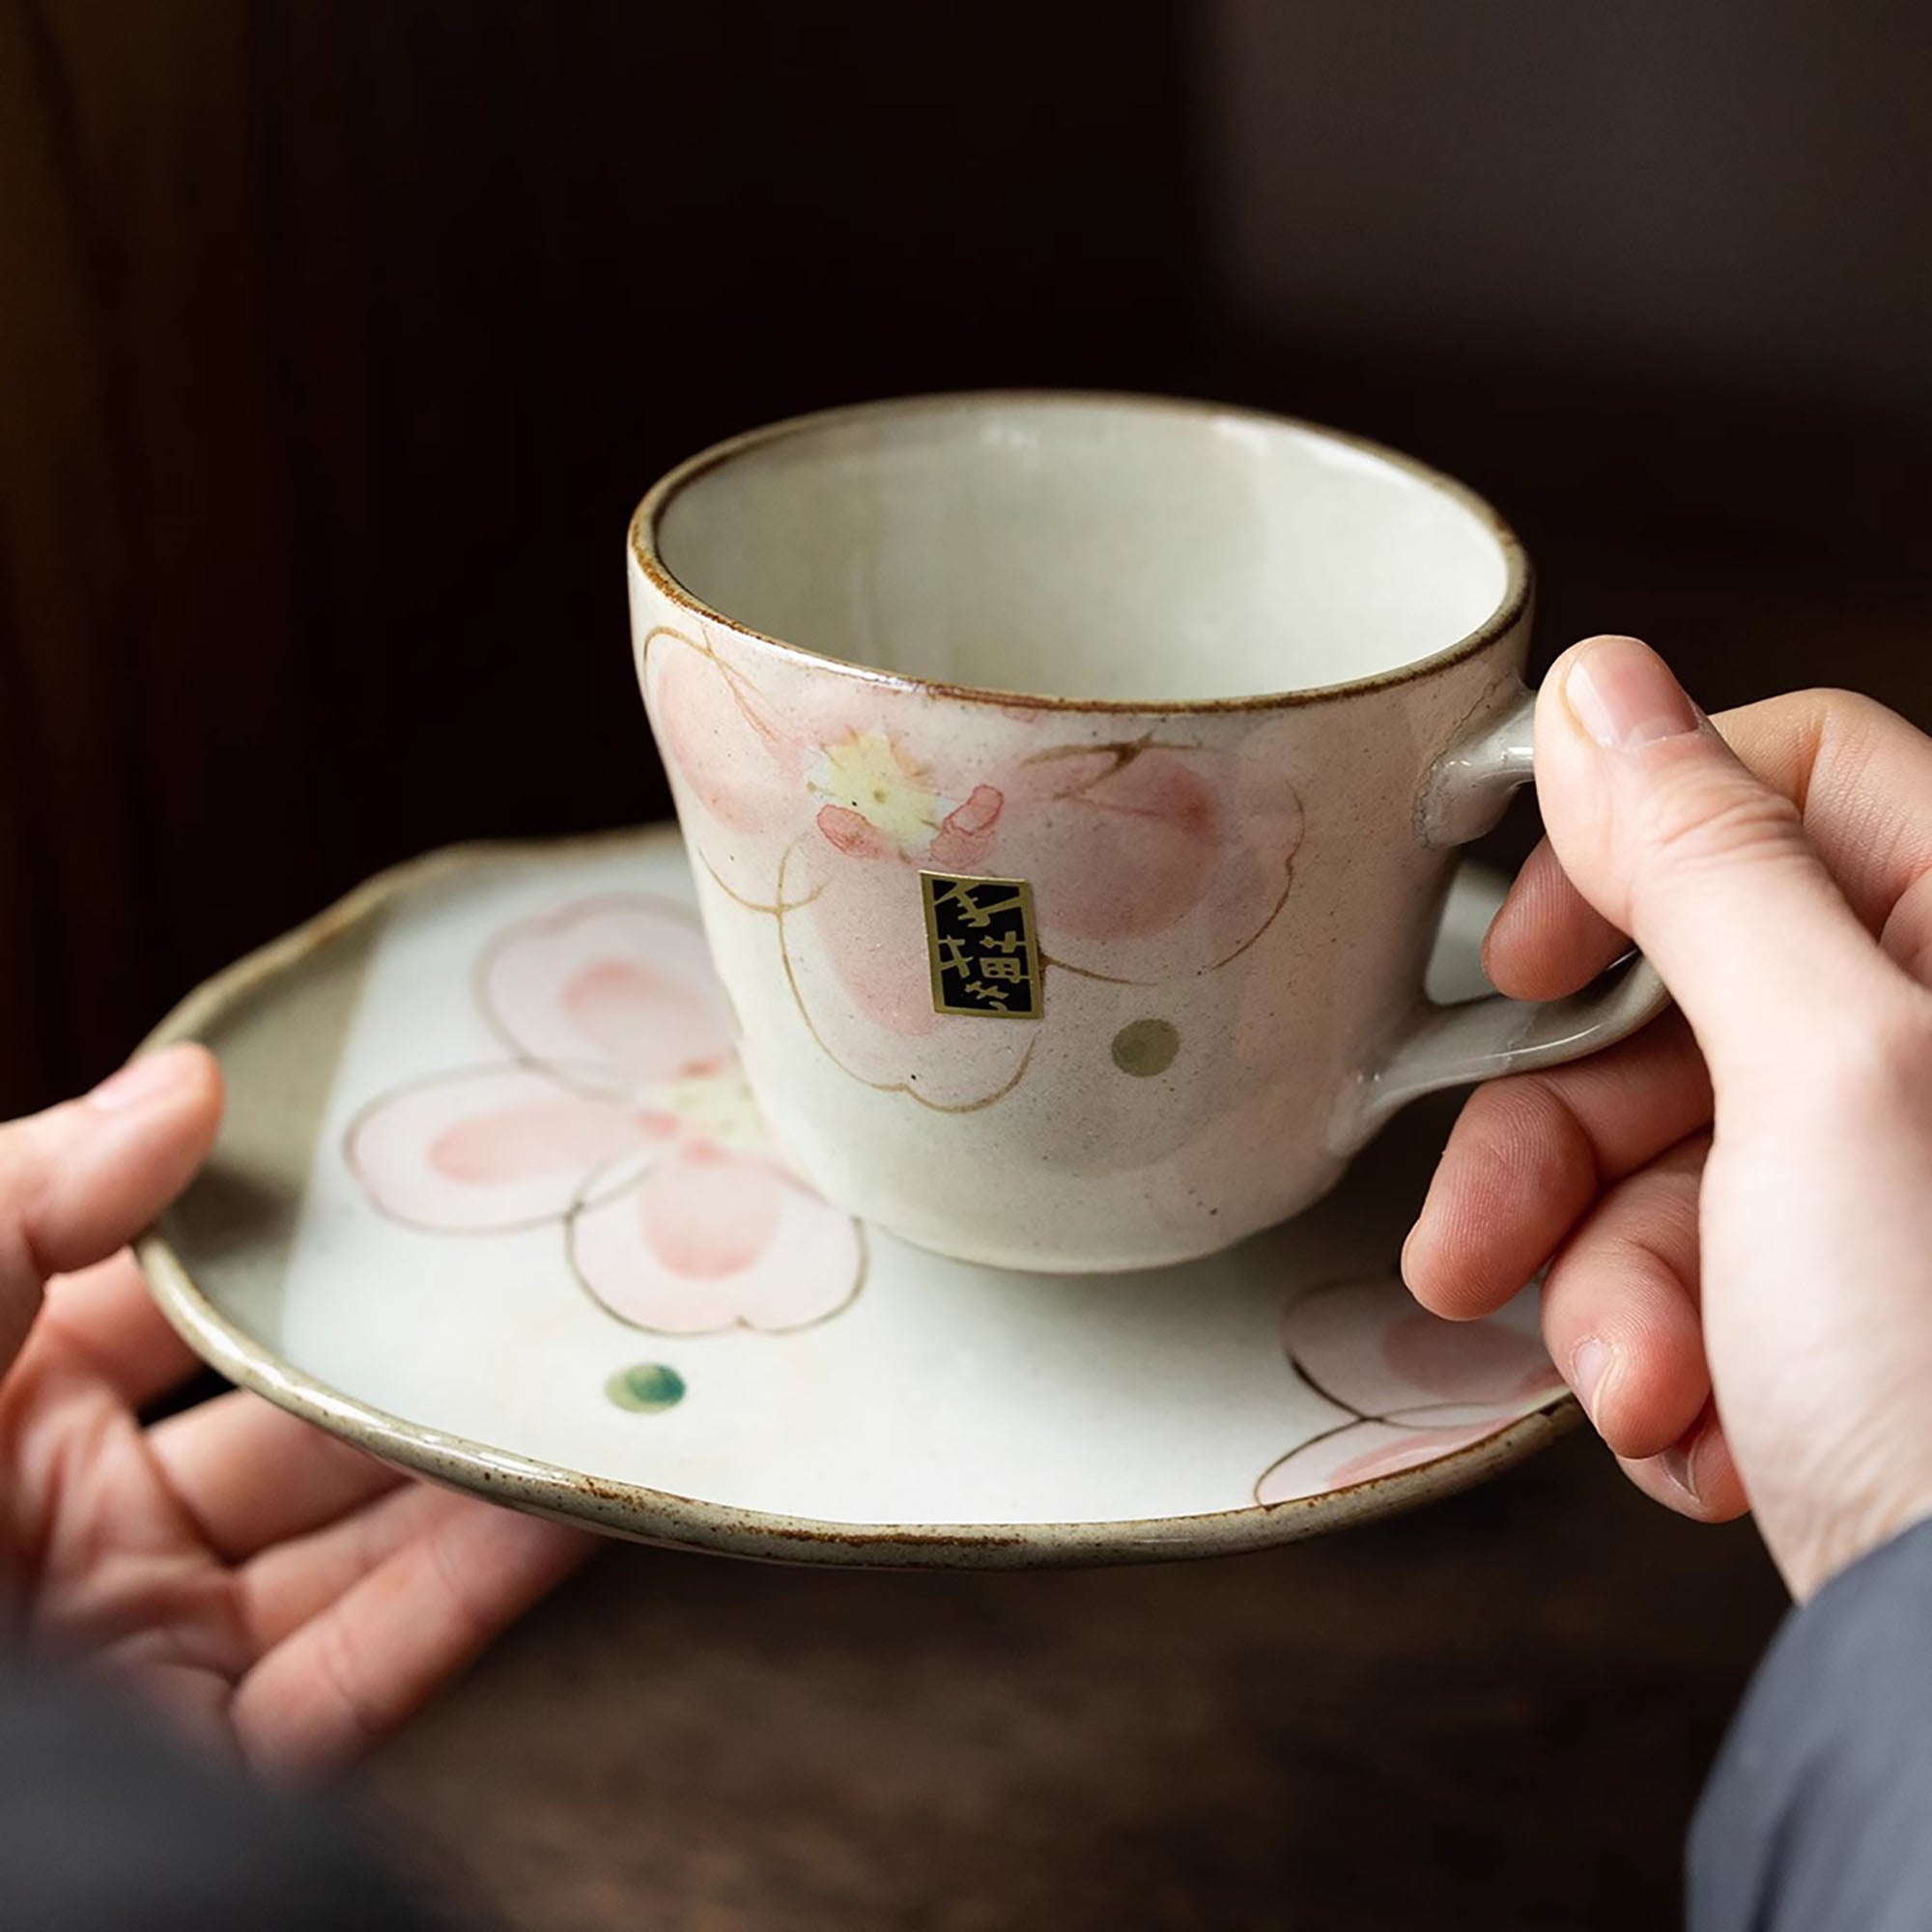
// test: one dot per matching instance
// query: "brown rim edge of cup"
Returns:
(1517, 585)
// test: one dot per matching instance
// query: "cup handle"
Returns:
(1453, 1046)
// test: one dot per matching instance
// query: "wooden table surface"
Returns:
(1495, 1712)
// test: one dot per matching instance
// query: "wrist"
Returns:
(1809, 1554)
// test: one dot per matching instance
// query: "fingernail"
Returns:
(1589, 1363)
(1680, 1465)
(1402, 1264)
(143, 1079)
(1622, 695)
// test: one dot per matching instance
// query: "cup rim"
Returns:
(1518, 581)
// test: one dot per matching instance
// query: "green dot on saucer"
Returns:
(1146, 1047)
(648, 1387)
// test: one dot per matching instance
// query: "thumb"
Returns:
(1674, 842)
(83, 1179)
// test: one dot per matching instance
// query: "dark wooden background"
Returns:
(340, 339)
(337, 338)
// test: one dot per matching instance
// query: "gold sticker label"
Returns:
(980, 935)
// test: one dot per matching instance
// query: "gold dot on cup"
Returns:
(1143, 1047)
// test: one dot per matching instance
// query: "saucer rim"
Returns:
(641, 1513)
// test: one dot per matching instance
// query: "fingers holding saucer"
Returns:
(102, 1322)
(431, 1599)
(1531, 1155)
(1696, 1476)
(1621, 1319)
(248, 1475)
(1547, 941)
(1620, 1308)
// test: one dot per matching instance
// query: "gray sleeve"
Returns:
(1819, 1812)
(107, 1825)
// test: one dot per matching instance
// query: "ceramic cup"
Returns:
(1073, 784)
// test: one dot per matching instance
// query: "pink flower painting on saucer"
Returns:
(1408, 1387)
(620, 1117)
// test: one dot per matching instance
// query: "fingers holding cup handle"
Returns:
(1453, 1046)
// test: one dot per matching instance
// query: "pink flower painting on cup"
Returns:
(1152, 860)
(1406, 1386)
(620, 1118)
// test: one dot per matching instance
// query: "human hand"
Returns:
(273, 1589)
(1736, 1205)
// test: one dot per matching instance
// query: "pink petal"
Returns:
(1063, 771)
(708, 1217)
(854, 835)
(980, 814)
(1156, 863)
(735, 761)
(498, 1147)
(869, 926)
(965, 836)
(821, 712)
(718, 1241)
(1366, 1344)
(722, 738)
(616, 990)
(1131, 851)
(1467, 1362)
(860, 965)
(1359, 1454)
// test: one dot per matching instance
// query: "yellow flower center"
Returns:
(718, 1106)
(866, 772)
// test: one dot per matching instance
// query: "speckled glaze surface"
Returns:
(1213, 996)
(491, 1200)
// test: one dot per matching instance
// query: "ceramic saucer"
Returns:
(492, 1201)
